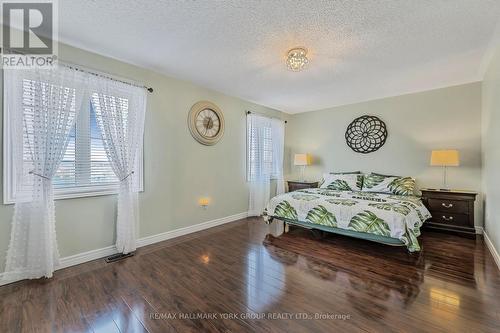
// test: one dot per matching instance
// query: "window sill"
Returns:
(78, 192)
(85, 191)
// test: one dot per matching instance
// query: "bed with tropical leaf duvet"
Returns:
(348, 207)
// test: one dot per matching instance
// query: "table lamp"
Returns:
(445, 158)
(302, 160)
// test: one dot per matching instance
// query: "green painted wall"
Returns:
(491, 149)
(417, 123)
(178, 170)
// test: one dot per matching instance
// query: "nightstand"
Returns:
(452, 211)
(299, 185)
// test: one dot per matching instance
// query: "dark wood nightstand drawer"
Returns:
(448, 206)
(450, 219)
(294, 185)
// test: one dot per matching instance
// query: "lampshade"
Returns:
(302, 159)
(445, 158)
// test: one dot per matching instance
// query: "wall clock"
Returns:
(206, 123)
(366, 134)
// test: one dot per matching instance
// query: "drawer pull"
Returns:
(446, 205)
(447, 218)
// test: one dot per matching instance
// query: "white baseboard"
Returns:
(80, 258)
(479, 230)
(188, 230)
(83, 257)
(492, 249)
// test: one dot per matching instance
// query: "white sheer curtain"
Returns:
(43, 105)
(120, 111)
(264, 160)
(278, 137)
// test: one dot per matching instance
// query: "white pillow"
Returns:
(343, 182)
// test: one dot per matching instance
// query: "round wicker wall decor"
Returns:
(366, 134)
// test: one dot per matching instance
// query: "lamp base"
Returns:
(302, 169)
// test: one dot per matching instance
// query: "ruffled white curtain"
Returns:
(120, 110)
(265, 160)
(43, 105)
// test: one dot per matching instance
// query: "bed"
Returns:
(385, 218)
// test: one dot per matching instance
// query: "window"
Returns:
(259, 149)
(264, 147)
(84, 170)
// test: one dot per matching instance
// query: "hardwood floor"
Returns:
(239, 278)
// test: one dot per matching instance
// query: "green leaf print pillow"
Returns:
(388, 184)
(342, 182)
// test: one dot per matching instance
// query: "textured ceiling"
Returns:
(359, 50)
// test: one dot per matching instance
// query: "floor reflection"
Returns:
(265, 279)
(445, 296)
(318, 268)
(369, 290)
(460, 269)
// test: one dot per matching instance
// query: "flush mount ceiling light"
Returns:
(296, 59)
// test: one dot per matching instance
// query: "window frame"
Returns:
(9, 186)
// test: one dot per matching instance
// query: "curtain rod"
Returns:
(80, 69)
(263, 115)
(88, 71)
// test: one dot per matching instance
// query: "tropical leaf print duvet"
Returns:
(395, 216)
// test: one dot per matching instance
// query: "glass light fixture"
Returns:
(296, 59)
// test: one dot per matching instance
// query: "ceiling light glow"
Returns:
(296, 59)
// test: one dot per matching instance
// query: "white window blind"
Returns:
(85, 162)
(85, 169)
(100, 167)
(261, 159)
(260, 149)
